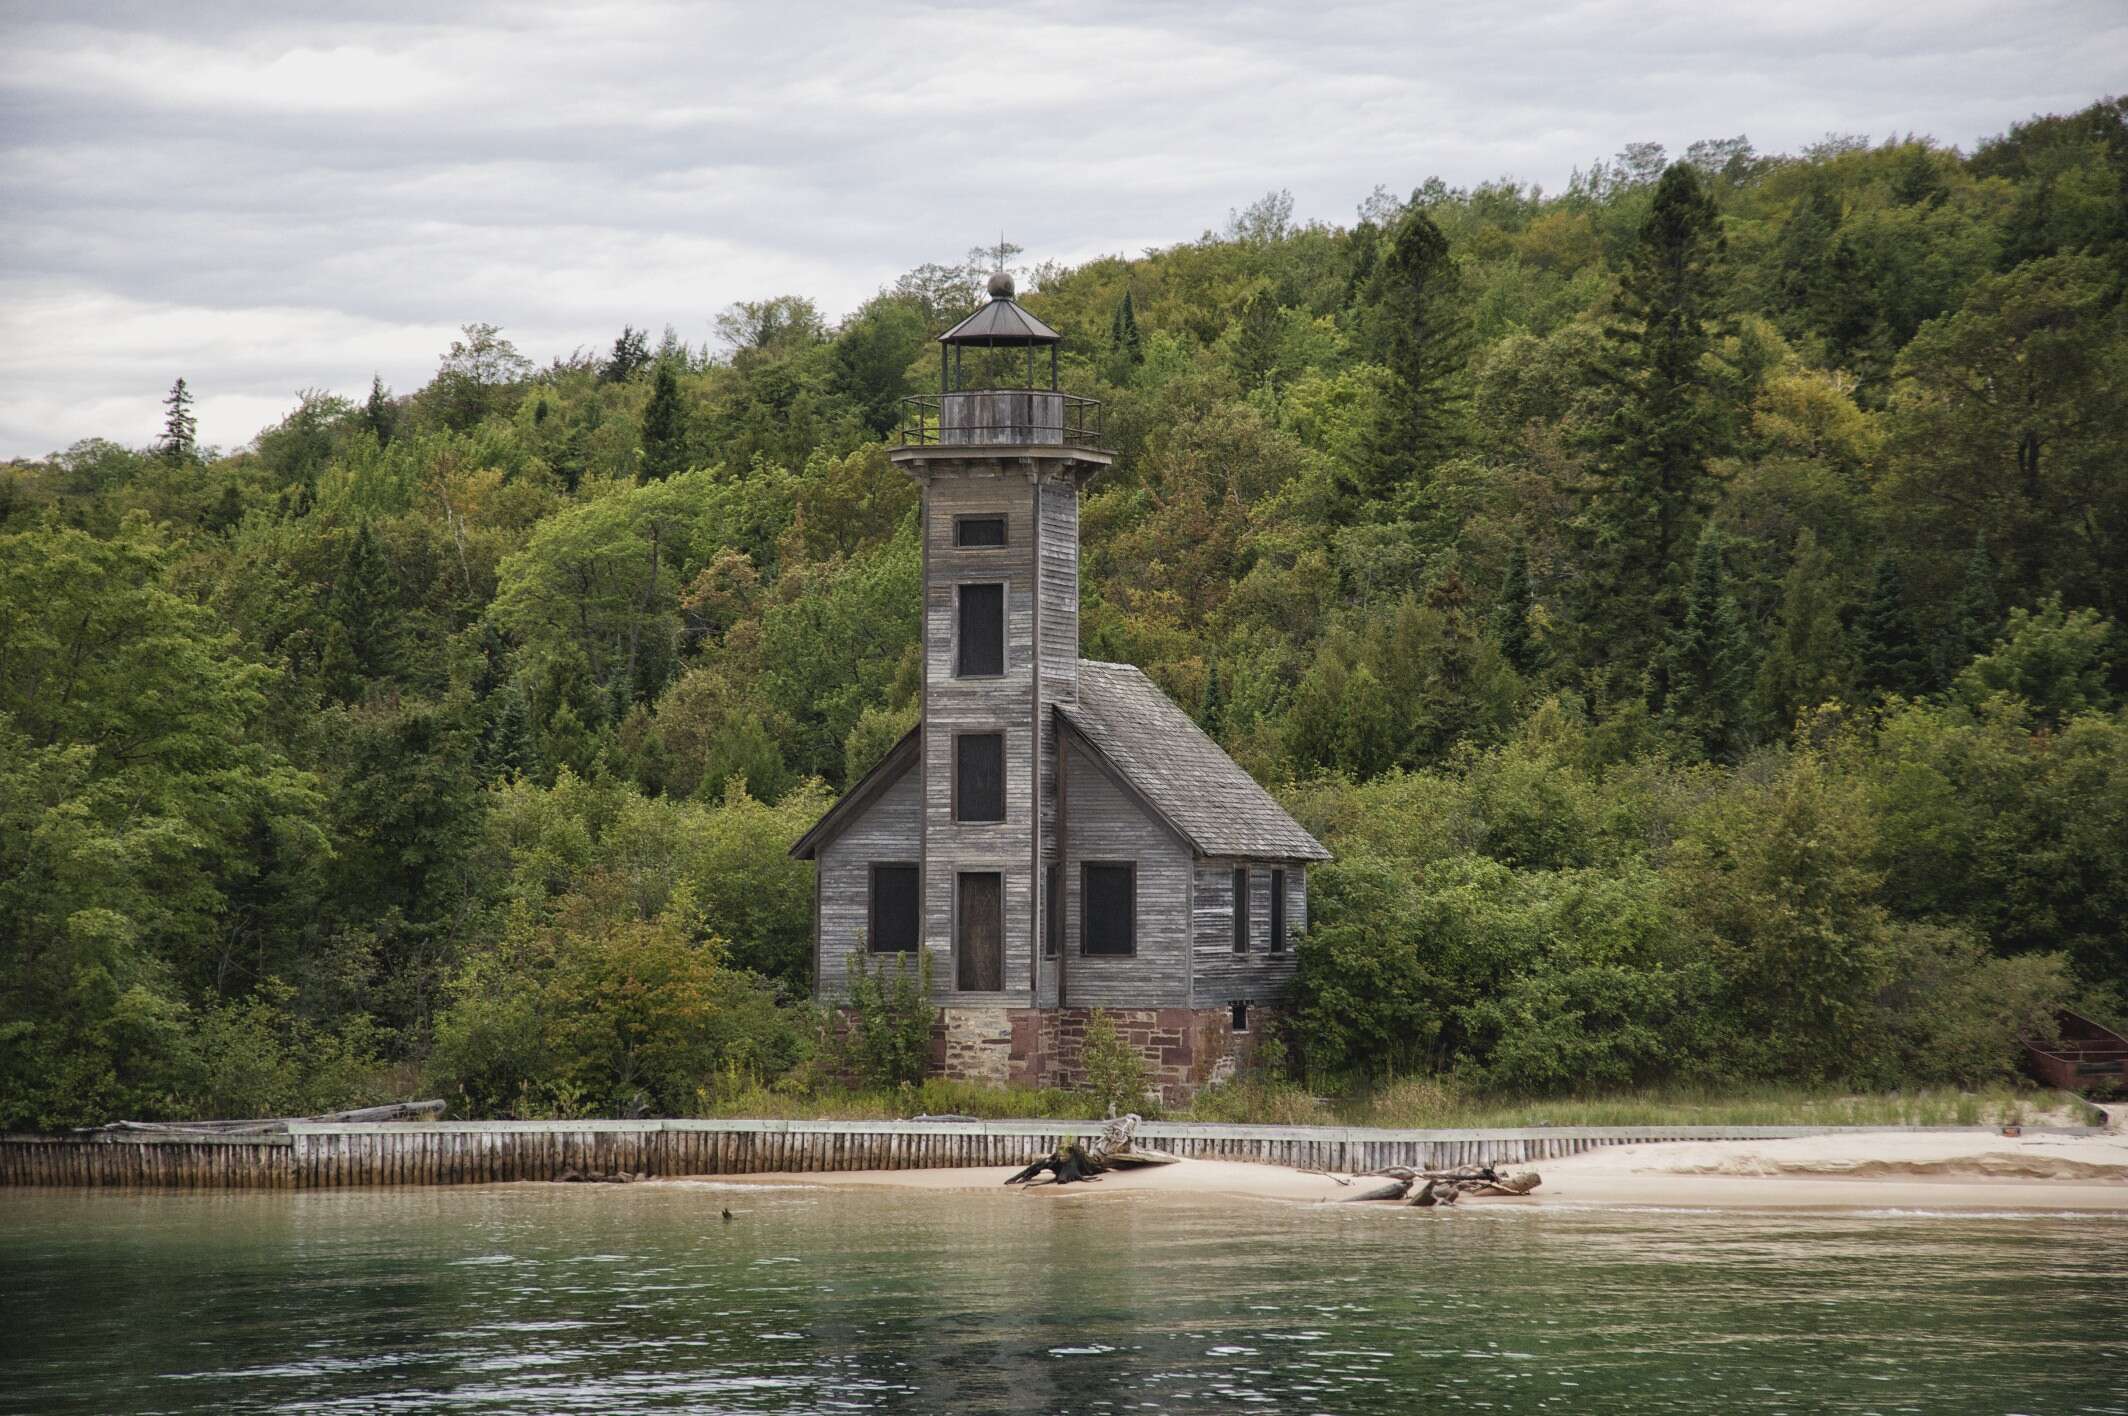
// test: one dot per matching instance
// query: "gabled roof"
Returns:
(1002, 321)
(885, 773)
(1185, 777)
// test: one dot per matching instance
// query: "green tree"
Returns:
(1807, 663)
(1706, 662)
(180, 442)
(379, 413)
(1427, 346)
(1513, 623)
(631, 352)
(1889, 655)
(664, 427)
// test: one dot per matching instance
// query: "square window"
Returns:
(895, 894)
(979, 777)
(980, 651)
(979, 532)
(1109, 901)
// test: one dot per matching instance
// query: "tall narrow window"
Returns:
(1278, 912)
(1239, 1015)
(1108, 905)
(982, 632)
(979, 532)
(979, 932)
(979, 777)
(1052, 910)
(1241, 911)
(894, 908)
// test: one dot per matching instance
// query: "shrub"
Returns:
(1115, 1072)
(889, 1040)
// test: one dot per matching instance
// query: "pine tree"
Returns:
(1212, 715)
(1123, 339)
(631, 351)
(180, 428)
(506, 746)
(1888, 651)
(364, 610)
(379, 414)
(1976, 616)
(1807, 663)
(1511, 619)
(1428, 347)
(1706, 661)
(1651, 475)
(664, 427)
(1256, 339)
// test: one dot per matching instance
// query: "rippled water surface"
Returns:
(597, 1298)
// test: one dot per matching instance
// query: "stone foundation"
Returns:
(1184, 1048)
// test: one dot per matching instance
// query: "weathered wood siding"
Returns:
(1222, 976)
(889, 829)
(1102, 822)
(956, 705)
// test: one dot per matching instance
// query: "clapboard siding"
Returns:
(889, 829)
(1102, 822)
(1222, 976)
(954, 705)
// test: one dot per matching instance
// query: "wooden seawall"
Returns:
(323, 1156)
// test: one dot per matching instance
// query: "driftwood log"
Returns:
(1440, 1187)
(1116, 1145)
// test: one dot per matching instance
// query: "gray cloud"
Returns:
(265, 202)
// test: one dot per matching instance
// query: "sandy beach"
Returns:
(1976, 1170)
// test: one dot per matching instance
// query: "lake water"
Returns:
(640, 1298)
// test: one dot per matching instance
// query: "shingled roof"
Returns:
(1182, 774)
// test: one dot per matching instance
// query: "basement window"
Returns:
(980, 652)
(1240, 1017)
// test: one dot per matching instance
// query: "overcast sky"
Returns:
(270, 197)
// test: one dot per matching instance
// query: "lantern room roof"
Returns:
(1000, 323)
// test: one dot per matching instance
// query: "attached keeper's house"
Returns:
(1055, 833)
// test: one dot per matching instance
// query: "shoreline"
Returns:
(1977, 1171)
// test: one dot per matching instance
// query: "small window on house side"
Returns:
(1108, 907)
(979, 532)
(1241, 911)
(1052, 910)
(895, 893)
(1278, 912)
(1241, 1016)
(981, 652)
(979, 777)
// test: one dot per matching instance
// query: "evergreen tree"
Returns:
(1123, 338)
(1212, 715)
(1976, 616)
(1427, 350)
(379, 414)
(1651, 474)
(362, 642)
(664, 427)
(180, 429)
(1706, 662)
(631, 351)
(1511, 620)
(1888, 651)
(1807, 663)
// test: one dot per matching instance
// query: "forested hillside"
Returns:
(1690, 603)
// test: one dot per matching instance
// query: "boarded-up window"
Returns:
(1241, 911)
(982, 632)
(1278, 912)
(1052, 910)
(975, 532)
(1109, 900)
(894, 906)
(979, 777)
(979, 932)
